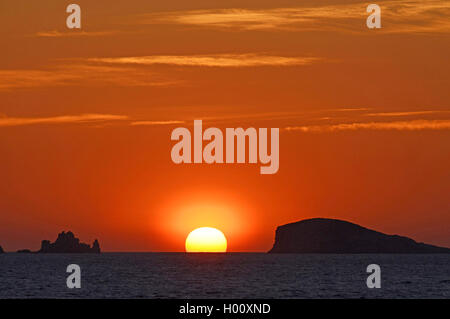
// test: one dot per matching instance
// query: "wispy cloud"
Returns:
(248, 19)
(395, 114)
(350, 109)
(59, 34)
(70, 74)
(82, 118)
(413, 125)
(398, 17)
(240, 117)
(151, 123)
(10, 79)
(213, 60)
(129, 71)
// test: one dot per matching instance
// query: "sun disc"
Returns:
(206, 240)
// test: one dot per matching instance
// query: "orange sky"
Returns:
(86, 117)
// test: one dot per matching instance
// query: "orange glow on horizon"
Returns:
(86, 118)
(185, 210)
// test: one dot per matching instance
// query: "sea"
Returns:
(230, 275)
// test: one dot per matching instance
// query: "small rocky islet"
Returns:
(65, 243)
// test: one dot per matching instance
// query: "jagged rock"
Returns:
(96, 247)
(68, 243)
(1, 250)
(321, 235)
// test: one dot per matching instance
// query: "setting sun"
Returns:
(206, 240)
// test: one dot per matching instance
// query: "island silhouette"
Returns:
(309, 236)
(65, 243)
(333, 236)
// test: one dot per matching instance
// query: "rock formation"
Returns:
(1, 250)
(68, 243)
(321, 235)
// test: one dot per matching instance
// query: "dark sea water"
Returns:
(232, 275)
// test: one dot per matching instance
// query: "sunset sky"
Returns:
(86, 117)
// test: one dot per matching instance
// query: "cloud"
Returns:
(356, 109)
(255, 19)
(413, 125)
(144, 123)
(58, 34)
(248, 19)
(394, 114)
(128, 71)
(397, 17)
(10, 79)
(82, 118)
(213, 60)
(70, 74)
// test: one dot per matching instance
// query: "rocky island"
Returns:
(332, 236)
(68, 243)
(65, 243)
